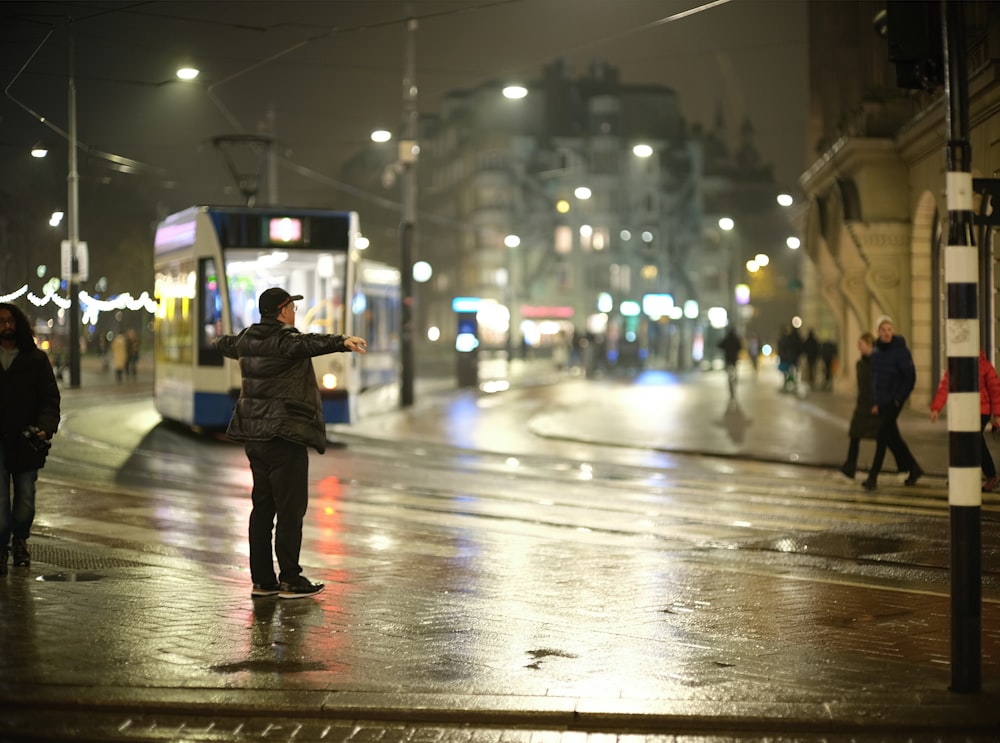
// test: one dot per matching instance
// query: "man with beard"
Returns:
(29, 415)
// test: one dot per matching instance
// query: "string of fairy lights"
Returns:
(91, 306)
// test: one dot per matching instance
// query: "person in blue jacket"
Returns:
(893, 379)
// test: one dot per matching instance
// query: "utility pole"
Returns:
(408, 150)
(913, 30)
(73, 220)
(963, 343)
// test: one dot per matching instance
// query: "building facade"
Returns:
(875, 221)
(587, 208)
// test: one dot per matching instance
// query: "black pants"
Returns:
(985, 458)
(850, 465)
(890, 437)
(280, 491)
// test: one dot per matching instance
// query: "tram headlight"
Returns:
(329, 381)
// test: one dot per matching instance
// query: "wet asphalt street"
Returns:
(627, 557)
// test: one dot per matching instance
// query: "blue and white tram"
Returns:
(211, 264)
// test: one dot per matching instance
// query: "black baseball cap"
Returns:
(272, 300)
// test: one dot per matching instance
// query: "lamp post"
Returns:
(726, 224)
(408, 150)
(511, 242)
(73, 225)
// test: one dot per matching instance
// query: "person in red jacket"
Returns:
(989, 410)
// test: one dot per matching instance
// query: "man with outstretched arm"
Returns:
(277, 417)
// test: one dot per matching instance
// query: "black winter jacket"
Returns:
(29, 396)
(279, 396)
(893, 373)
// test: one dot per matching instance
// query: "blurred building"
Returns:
(875, 221)
(588, 207)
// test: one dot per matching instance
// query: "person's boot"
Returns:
(22, 558)
(915, 474)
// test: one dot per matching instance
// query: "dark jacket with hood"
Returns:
(29, 396)
(893, 372)
(279, 396)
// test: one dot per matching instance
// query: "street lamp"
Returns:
(642, 150)
(726, 224)
(422, 272)
(515, 92)
(381, 135)
(188, 73)
(511, 242)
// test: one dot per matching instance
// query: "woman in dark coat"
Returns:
(864, 423)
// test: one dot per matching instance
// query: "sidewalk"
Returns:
(105, 643)
(690, 412)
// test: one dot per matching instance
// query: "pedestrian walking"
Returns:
(989, 410)
(810, 348)
(29, 416)
(277, 417)
(893, 379)
(731, 346)
(119, 356)
(864, 423)
(131, 353)
(789, 351)
(828, 355)
(753, 350)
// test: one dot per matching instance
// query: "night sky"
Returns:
(332, 71)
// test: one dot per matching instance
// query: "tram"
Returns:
(211, 264)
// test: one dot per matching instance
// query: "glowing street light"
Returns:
(512, 241)
(583, 193)
(515, 92)
(422, 272)
(39, 151)
(642, 150)
(381, 135)
(726, 224)
(785, 199)
(793, 243)
(188, 73)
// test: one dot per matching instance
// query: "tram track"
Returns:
(764, 512)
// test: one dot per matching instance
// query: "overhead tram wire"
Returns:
(120, 160)
(328, 29)
(628, 32)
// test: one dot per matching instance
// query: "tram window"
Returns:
(173, 341)
(209, 313)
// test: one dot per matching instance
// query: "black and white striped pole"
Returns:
(962, 346)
